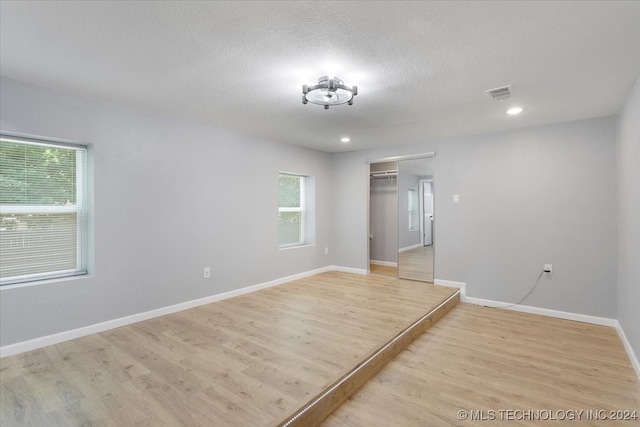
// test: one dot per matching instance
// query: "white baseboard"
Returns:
(21, 347)
(408, 248)
(604, 321)
(349, 269)
(452, 284)
(526, 308)
(385, 263)
(627, 345)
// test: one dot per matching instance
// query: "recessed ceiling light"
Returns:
(345, 139)
(513, 111)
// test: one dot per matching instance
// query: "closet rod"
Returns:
(383, 174)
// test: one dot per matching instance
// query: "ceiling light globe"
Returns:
(515, 110)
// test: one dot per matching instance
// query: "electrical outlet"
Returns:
(548, 268)
(326, 251)
(206, 272)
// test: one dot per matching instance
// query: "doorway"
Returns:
(383, 219)
(411, 183)
(416, 249)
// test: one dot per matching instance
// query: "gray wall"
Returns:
(383, 217)
(350, 211)
(629, 217)
(171, 197)
(527, 197)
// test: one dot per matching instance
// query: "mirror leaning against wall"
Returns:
(416, 244)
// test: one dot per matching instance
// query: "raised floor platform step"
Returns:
(321, 406)
(286, 355)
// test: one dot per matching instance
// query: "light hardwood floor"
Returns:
(247, 361)
(479, 358)
(383, 270)
(416, 263)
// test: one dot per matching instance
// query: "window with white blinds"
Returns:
(43, 210)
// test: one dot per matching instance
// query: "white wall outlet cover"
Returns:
(548, 268)
(206, 272)
(456, 198)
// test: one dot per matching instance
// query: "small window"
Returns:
(291, 210)
(43, 210)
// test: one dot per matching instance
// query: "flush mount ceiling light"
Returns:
(329, 91)
(513, 111)
(345, 139)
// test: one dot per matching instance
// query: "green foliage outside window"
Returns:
(290, 222)
(37, 175)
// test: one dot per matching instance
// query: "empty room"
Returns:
(319, 213)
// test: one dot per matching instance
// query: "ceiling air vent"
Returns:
(499, 93)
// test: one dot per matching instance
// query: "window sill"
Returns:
(44, 281)
(302, 245)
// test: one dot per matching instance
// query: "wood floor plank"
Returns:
(246, 361)
(335, 394)
(383, 270)
(417, 263)
(490, 359)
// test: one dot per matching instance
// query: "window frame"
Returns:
(80, 208)
(302, 241)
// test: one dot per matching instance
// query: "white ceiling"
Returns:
(421, 67)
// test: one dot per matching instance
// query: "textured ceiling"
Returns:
(421, 67)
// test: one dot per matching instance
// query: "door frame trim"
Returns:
(421, 202)
(405, 157)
